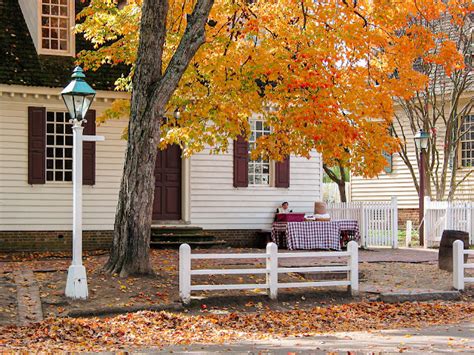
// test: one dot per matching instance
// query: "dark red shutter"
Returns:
(282, 173)
(88, 158)
(241, 162)
(36, 145)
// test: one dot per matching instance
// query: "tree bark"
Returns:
(151, 92)
(341, 182)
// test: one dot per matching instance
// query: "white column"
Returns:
(458, 265)
(272, 270)
(76, 286)
(353, 250)
(185, 273)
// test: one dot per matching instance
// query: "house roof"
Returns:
(21, 65)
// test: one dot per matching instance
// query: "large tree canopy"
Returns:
(321, 73)
(329, 68)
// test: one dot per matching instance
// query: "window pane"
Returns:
(58, 176)
(49, 176)
(54, 10)
(68, 140)
(259, 169)
(68, 176)
(45, 9)
(59, 140)
(60, 128)
(50, 152)
(59, 164)
(68, 164)
(68, 152)
(59, 152)
(49, 163)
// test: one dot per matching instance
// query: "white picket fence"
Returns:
(271, 270)
(459, 266)
(441, 215)
(378, 221)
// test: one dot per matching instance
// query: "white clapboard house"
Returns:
(226, 195)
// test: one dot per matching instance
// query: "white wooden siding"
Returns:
(213, 201)
(49, 206)
(216, 204)
(399, 182)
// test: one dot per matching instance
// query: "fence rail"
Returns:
(378, 221)
(441, 215)
(459, 265)
(271, 270)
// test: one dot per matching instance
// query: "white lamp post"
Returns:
(77, 96)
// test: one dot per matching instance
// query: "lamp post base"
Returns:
(76, 285)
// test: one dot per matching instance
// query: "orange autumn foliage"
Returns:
(321, 73)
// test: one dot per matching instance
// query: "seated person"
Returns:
(284, 208)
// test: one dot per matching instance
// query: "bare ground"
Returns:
(379, 271)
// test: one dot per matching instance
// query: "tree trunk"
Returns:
(151, 92)
(342, 190)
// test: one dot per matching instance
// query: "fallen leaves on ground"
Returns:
(155, 329)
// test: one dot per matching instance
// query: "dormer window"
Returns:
(56, 21)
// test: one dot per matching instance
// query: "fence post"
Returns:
(363, 227)
(408, 234)
(353, 250)
(185, 273)
(394, 206)
(272, 270)
(458, 265)
(425, 223)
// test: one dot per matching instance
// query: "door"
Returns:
(167, 202)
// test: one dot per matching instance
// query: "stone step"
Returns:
(182, 238)
(192, 244)
(175, 230)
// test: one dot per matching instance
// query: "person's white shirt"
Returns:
(283, 210)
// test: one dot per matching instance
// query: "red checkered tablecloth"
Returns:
(315, 235)
(349, 230)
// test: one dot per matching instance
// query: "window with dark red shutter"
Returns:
(88, 157)
(241, 161)
(36, 145)
(282, 173)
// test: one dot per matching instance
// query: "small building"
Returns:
(226, 194)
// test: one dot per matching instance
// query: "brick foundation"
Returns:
(94, 240)
(407, 214)
(52, 240)
(238, 238)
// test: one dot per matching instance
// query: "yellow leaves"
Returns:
(329, 68)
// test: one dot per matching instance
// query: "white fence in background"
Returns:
(459, 266)
(331, 192)
(271, 270)
(378, 221)
(441, 215)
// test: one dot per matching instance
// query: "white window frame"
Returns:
(466, 139)
(54, 146)
(71, 39)
(253, 164)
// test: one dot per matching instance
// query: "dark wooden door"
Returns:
(167, 202)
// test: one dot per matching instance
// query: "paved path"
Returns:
(28, 296)
(434, 340)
